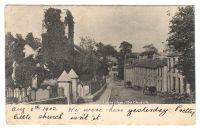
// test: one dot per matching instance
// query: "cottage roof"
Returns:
(72, 74)
(150, 63)
(64, 77)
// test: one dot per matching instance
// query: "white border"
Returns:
(95, 2)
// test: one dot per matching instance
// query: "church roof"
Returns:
(72, 74)
(64, 77)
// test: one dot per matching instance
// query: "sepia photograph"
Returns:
(99, 54)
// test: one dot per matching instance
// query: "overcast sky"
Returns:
(138, 25)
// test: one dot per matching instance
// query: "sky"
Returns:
(138, 25)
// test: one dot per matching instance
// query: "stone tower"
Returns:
(69, 23)
(57, 46)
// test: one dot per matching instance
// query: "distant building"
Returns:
(148, 72)
(114, 71)
(160, 72)
(113, 63)
(176, 81)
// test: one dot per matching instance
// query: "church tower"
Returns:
(69, 23)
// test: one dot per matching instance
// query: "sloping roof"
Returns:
(72, 74)
(64, 77)
(150, 63)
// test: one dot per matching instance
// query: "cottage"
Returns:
(148, 72)
(65, 82)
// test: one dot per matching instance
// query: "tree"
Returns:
(150, 50)
(90, 62)
(19, 70)
(87, 43)
(9, 41)
(125, 49)
(33, 42)
(94, 62)
(103, 51)
(17, 48)
(181, 39)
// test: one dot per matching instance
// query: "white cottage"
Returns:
(74, 77)
(65, 82)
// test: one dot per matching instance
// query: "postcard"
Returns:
(100, 64)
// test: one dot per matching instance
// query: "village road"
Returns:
(104, 98)
(123, 95)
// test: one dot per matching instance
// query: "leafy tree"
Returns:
(87, 43)
(9, 41)
(33, 42)
(95, 60)
(181, 39)
(90, 62)
(19, 70)
(19, 67)
(17, 48)
(103, 51)
(150, 50)
(125, 49)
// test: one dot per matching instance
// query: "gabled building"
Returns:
(176, 81)
(159, 72)
(148, 72)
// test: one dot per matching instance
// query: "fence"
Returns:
(15, 95)
(57, 100)
(27, 95)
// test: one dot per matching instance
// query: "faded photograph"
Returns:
(100, 54)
